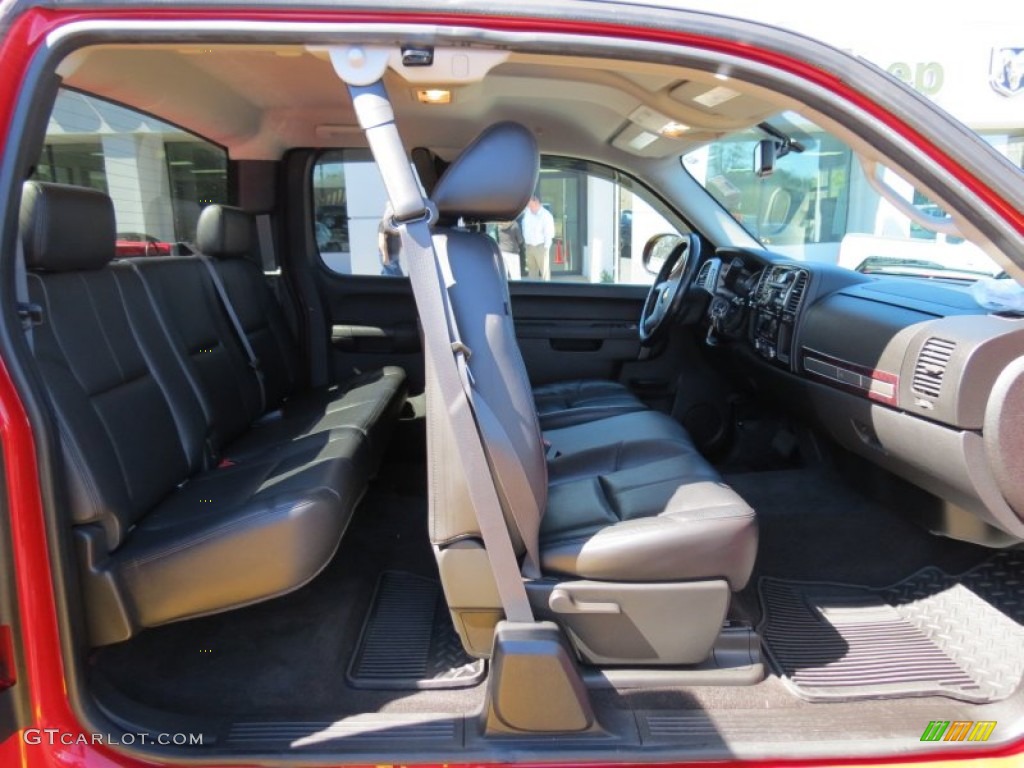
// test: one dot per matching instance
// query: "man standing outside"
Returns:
(510, 243)
(389, 247)
(538, 233)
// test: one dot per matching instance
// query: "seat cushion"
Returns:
(368, 403)
(635, 501)
(240, 534)
(636, 429)
(566, 403)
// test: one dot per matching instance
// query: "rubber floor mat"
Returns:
(408, 641)
(930, 634)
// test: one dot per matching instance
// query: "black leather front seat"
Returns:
(565, 403)
(641, 542)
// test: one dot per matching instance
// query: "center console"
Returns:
(774, 306)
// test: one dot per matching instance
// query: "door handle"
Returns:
(576, 345)
(370, 338)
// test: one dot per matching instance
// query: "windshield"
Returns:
(820, 202)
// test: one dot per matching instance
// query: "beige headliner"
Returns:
(260, 100)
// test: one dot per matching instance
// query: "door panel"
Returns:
(576, 331)
(373, 323)
(589, 332)
(564, 331)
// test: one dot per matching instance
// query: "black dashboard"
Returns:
(909, 373)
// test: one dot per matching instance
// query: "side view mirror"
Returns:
(764, 157)
(657, 249)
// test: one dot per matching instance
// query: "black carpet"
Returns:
(815, 527)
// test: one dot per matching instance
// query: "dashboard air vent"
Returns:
(703, 275)
(796, 293)
(931, 367)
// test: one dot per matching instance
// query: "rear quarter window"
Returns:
(158, 176)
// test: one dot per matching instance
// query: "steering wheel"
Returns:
(667, 296)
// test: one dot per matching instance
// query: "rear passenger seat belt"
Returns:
(272, 272)
(265, 241)
(254, 362)
(412, 216)
(30, 314)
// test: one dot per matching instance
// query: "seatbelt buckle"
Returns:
(550, 452)
(461, 349)
(30, 315)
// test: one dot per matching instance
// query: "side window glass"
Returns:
(580, 227)
(158, 176)
(348, 209)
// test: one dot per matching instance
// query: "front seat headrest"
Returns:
(493, 178)
(225, 232)
(65, 228)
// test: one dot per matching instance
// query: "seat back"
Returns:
(187, 304)
(130, 427)
(226, 235)
(492, 179)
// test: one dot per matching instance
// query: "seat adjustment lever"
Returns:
(562, 602)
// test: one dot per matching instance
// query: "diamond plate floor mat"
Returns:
(408, 641)
(930, 634)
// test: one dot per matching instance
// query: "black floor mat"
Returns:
(930, 634)
(408, 642)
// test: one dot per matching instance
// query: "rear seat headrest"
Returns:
(65, 228)
(492, 178)
(224, 232)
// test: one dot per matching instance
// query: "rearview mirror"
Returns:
(657, 249)
(764, 158)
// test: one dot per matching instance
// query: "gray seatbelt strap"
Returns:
(254, 362)
(504, 462)
(446, 360)
(411, 218)
(30, 314)
(265, 240)
(519, 495)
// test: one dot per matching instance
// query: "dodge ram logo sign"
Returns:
(1006, 73)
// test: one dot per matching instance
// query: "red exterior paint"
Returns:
(44, 667)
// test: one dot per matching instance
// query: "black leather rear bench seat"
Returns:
(369, 402)
(242, 424)
(161, 535)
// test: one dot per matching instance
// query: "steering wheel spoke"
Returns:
(667, 297)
